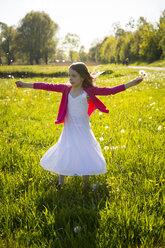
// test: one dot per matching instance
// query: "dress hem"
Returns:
(79, 174)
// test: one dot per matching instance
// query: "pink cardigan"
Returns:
(94, 102)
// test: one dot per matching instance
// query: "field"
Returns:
(122, 208)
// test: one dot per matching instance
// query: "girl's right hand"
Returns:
(19, 84)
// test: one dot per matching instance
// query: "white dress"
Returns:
(77, 151)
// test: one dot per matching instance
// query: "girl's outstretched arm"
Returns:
(116, 89)
(42, 86)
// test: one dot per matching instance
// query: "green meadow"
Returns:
(123, 208)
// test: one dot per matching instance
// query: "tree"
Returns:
(117, 30)
(161, 33)
(7, 36)
(125, 51)
(74, 56)
(118, 46)
(82, 54)
(135, 42)
(60, 55)
(36, 34)
(71, 43)
(130, 26)
(107, 51)
(149, 47)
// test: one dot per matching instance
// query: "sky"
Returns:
(91, 20)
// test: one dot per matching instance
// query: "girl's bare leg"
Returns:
(85, 180)
(61, 179)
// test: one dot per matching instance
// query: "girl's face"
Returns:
(74, 78)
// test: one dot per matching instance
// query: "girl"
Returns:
(77, 151)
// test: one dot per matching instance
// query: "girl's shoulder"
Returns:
(89, 88)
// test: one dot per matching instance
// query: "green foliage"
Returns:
(125, 209)
(149, 47)
(107, 50)
(35, 36)
(34, 42)
(7, 44)
(162, 33)
(71, 44)
(144, 43)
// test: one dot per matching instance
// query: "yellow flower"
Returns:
(112, 178)
(151, 181)
(30, 179)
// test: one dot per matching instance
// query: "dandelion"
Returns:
(159, 128)
(98, 183)
(77, 229)
(30, 179)
(101, 138)
(139, 119)
(106, 147)
(114, 147)
(94, 186)
(122, 131)
(142, 73)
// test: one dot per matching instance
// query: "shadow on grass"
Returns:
(22, 74)
(70, 216)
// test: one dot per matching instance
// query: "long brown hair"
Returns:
(82, 70)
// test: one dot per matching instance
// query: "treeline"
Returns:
(145, 43)
(34, 41)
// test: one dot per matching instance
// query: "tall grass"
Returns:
(123, 208)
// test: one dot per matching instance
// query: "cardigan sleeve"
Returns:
(50, 87)
(107, 90)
